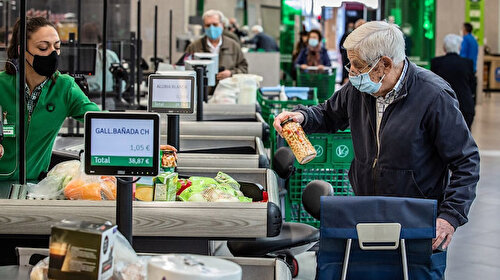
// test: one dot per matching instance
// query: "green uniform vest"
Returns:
(58, 100)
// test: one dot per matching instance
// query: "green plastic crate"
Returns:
(324, 82)
(333, 148)
(274, 107)
(336, 175)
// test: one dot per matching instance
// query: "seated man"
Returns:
(231, 59)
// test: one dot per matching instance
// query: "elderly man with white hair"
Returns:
(231, 59)
(409, 137)
(459, 73)
(261, 40)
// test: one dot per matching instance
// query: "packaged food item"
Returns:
(165, 187)
(297, 140)
(81, 250)
(168, 161)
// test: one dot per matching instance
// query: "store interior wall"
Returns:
(232, 8)
(450, 15)
(147, 26)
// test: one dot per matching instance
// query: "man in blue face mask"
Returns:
(409, 136)
(231, 59)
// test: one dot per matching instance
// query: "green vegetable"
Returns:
(202, 180)
(223, 178)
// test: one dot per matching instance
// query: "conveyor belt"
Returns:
(159, 219)
(230, 151)
(226, 112)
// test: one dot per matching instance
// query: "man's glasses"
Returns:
(353, 73)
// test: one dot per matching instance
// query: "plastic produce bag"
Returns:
(204, 189)
(91, 188)
(223, 178)
(226, 92)
(88, 187)
(40, 270)
(51, 187)
(248, 85)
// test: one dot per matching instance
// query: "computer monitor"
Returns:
(172, 92)
(122, 144)
(82, 59)
(212, 69)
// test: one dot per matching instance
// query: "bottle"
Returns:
(283, 96)
(297, 140)
(168, 161)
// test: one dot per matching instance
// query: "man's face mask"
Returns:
(364, 83)
(213, 32)
(45, 65)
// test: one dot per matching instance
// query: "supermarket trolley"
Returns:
(323, 80)
(394, 239)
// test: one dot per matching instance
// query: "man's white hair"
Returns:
(225, 21)
(257, 29)
(452, 43)
(375, 39)
(211, 13)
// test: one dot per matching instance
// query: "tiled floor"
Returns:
(475, 250)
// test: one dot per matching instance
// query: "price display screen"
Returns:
(171, 94)
(121, 143)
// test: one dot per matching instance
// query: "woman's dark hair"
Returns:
(32, 26)
(317, 32)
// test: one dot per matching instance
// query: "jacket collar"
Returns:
(224, 45)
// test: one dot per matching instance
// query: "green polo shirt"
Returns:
(58, 100)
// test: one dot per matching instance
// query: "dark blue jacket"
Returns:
(423, 137)
(264, 42)
(324, 58)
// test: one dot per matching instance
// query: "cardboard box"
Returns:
(81, 250)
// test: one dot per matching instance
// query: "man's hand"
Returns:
(303, 66)
(296, 116)
(223, 74)
(321, 67)
(444, 231)
(169, 148)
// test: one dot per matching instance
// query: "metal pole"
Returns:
(6, 9)
(124, 206)
(133, 67)
(170, 39)
(21, 140)
(200, 85)
(346, 259)
(103, 47)
(139, 54)
(173, 131)
(155, 50)
(404, 260)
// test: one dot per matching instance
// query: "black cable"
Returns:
(127, 182)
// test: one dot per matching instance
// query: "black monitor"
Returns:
(82, 59)
(172, 92)
(122, 144)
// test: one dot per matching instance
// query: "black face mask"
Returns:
(45, 65)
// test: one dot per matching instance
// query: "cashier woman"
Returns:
(50, 98)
